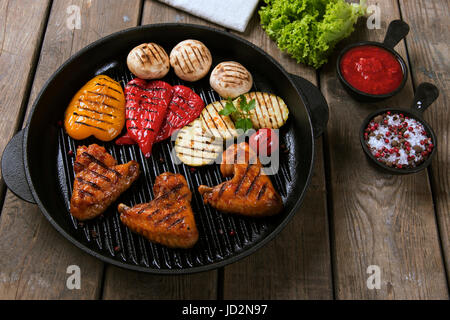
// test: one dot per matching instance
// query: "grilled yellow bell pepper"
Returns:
(97, 109)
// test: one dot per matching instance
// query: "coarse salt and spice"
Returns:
(398, 141)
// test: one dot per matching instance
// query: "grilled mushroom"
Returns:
(148, 61)
(191, 60)
(230, 79)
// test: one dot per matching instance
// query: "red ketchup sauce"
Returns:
(371, 69)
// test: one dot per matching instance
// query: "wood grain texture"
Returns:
(429, 59)
(297, 263)
(378, 219)
(125, 284)
(33, 256)
(20, 35)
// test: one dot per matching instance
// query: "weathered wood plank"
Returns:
(428, 54)
(124, 284)
(297, 264)
(378, 219)
(33, 256)
(20, 34)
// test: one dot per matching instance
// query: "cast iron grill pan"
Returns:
(220, 235)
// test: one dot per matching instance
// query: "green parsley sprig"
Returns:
(241, 115)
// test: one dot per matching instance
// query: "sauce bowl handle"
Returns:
(396, 31)
(426, 94)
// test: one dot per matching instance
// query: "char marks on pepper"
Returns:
(146, 110)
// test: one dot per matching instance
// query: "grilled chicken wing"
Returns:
(99, 181)
(250, 192)
(168, 219)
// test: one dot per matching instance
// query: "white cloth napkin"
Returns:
(232, 14)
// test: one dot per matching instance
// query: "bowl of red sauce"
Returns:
(373, 71)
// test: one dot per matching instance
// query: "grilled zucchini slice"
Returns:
(194, 146)
(215, 124)
(270, 110)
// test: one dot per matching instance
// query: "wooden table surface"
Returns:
(352, 217)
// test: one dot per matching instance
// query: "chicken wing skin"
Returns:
(168, 219)
(250, 192)
(85, 156)
(99, 181)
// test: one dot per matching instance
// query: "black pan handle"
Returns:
(396, 31)
(315, 102)
(13, 170)
(426, 94)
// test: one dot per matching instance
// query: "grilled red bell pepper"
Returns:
(184, 108)
(145, 111)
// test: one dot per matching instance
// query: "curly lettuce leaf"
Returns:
(308, 30)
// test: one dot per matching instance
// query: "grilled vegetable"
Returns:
(230, 79)
(97, 109)
(184, 107)
(270, 111)
(264, 142)
(194, 146)
(219, 126)
(191, 60)
(148, 61)
(146, 110)
(241, 115)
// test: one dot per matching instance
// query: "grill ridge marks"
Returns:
(97, 103)
(187, 59)
(108, 87)
(89, 125)
(175, 223)
(84, 192)
(190, 59)
(177, 63)
(238, 187)
(92, 118)
(103, 95)
(95, 173)
(96, 111)
(166, 195)
(253, 183)
(150, 214)
(167, 217)
(107, 80)
(145, 89)
(222, 189)
(90, 183)
(141, 49)
(263, 122)
(100, 163)
(210, 114)
(221, 118)
(262, 191)
(254, 111)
